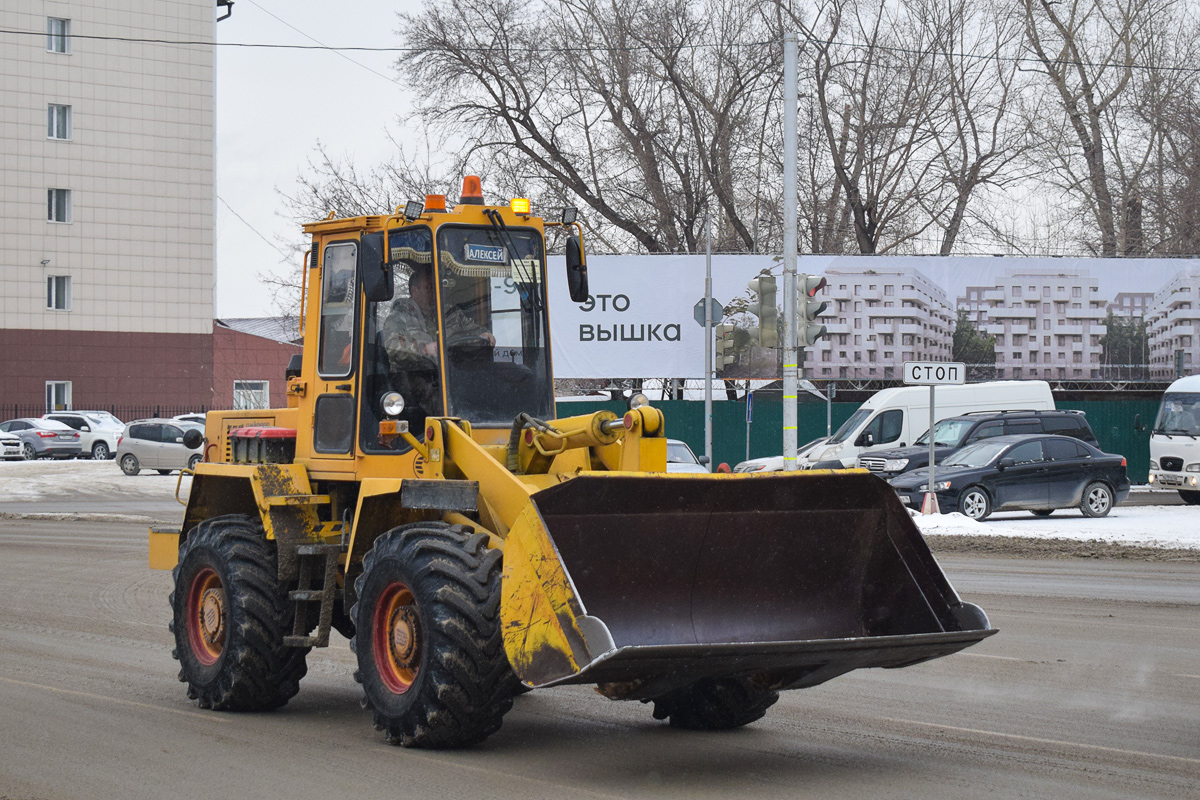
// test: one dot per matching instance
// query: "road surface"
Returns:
(1091, 689)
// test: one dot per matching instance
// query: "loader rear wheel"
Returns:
(715, 704)
(431, 658)
(230, 614)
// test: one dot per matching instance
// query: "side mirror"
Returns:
(294, 367)
(192, 439)
(703, 459)
(1137, 423)
(1005, 463)
(577, 279)
(85, 429)
(865, 439)
(374, 268)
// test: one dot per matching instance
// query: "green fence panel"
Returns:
(1113, 422)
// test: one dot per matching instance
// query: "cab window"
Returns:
(886, 427)
(338, 295)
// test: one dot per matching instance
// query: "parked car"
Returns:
(894, 417)
(156, 444)
(680, 458)
(195, 419)
(43, 438)
(98, 431)
(10, 447)
(775, 463)
(1013, 473)
(954, 433)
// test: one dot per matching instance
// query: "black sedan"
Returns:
(1021, 473)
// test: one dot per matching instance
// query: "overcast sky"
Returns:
(273, 106)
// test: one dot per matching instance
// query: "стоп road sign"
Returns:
(934, 373)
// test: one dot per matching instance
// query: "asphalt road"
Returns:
(1091, 689)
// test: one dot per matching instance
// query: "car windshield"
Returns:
(977, 455)
(850, 425)
(1179, 413)
(949, 432)
(680, 453)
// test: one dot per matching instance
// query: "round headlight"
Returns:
(638, 400)
(392, 404)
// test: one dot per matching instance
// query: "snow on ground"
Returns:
(46, 480)
(1151, 526)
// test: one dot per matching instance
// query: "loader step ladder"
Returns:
(310, 557)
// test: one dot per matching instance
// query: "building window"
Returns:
(58, 292)
(58, 35)
(889, 290)
(251, 394)
(1076, 291)
(58, 396)
(58, 205)
(58, 121)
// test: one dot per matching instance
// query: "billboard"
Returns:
(1046, 316)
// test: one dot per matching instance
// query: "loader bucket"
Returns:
(647, 583)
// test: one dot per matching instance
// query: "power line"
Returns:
(273, 246)
(587, 49)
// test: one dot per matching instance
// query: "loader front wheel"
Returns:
(431, 657)
(230, 614)
(715, 704)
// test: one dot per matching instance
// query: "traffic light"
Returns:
(810, 308)
(765, 308)
(724, 346)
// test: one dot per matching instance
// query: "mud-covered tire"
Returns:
(430, 654)
(235, 659)
(715, 704)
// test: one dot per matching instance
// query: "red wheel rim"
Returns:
(206, 616)
(396, 637)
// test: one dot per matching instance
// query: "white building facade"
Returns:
(877, 319)
(1047, 324)
(107, 209)
(1173, 327)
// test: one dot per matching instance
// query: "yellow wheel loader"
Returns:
(418, 495)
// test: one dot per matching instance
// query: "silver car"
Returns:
(10, 446)
(157, 444)
(680, 458)
(43, 438)
(98, 431)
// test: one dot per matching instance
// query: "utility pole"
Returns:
(708, 340)
(790, 356)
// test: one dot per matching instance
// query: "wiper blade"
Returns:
(527, 277)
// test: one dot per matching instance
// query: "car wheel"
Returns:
(129, 464)
(100, 451)
(1097, 500)
(975, 504)
(28, 452)
(1191, 498)
(1042, 512)
(163, 471)
(193, 461)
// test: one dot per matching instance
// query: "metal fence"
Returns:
(125, 413)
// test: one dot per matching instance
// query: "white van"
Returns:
(896, 417)
(1175, 440)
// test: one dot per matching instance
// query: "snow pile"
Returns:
(1150, 526)
(24, 481)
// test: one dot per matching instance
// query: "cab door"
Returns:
(333, 419)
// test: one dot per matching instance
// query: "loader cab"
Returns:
(465, 332)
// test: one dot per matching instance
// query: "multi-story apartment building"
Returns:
(1173, 326)
(877, 319)
(107, 207)
(1047, 323)
(1131, 305)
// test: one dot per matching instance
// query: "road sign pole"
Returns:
(930, 506)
